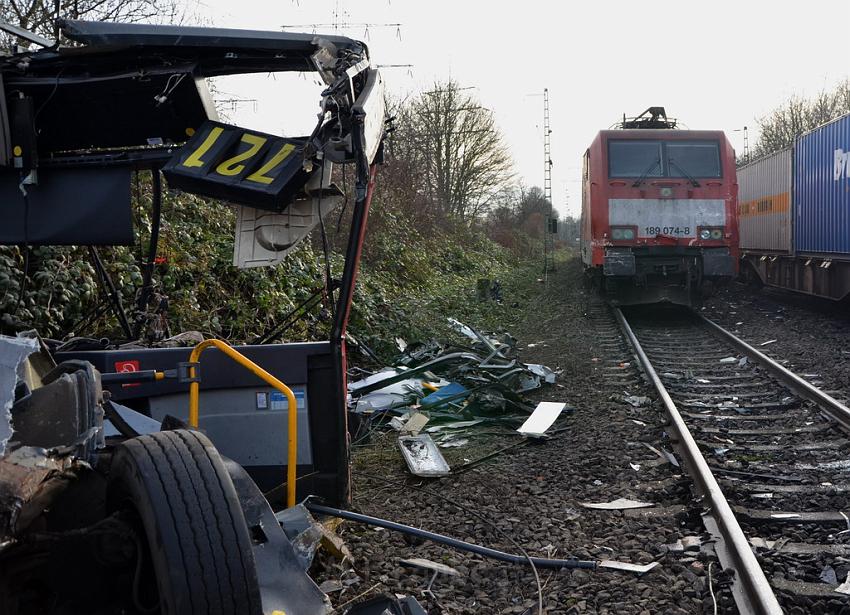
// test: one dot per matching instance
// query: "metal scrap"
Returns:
(541, 370)
(307, 535)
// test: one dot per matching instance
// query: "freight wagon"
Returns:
(658, 220)
(794, 214)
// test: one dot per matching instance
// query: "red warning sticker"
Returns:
(127, 367)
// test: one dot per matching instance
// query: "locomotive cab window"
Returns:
(694, 158)
(647, 158)
(634, 158)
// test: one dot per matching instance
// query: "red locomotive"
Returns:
(659, 211)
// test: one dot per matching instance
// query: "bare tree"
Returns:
(460, 148)
(798, 115)
(39, 15)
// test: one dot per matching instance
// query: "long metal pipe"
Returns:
(757, 592)
(803, 388)
(539, 562)
(292, 410)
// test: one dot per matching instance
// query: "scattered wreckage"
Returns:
(452, 389)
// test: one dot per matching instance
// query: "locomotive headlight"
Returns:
(717, 233)
(705, 233)
(628, 233)
(616, 233)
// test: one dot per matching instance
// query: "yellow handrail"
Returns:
(258, 371)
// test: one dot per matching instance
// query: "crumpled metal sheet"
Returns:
(29, 479)
(13, 351)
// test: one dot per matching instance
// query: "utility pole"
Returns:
(548, 223)
(746, 143)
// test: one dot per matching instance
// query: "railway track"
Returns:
(769, 455)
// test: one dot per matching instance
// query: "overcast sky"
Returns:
(716, 64)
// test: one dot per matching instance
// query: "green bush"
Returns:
(410, 280)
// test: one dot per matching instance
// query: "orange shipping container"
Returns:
(764, 204)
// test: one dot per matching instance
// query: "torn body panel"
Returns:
(135, 96)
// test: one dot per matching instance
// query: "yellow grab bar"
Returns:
(258, 371)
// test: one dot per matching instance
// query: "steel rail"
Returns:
(755, 595)
(834, 408)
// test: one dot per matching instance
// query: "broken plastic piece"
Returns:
(422, 456)
(544, 415)
(729, 360)
(627, 567)
(454, 443)
(618, 504)
(541, 370)
(636, 401)
(451, 390)
(827, 575)
(455, 425)
(414, 424)
(418, 562)
(844, 588)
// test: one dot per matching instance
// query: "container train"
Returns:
(659, 211)
(794, 214)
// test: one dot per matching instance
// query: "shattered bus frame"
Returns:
(108, 503)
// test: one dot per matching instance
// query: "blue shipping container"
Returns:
(822, 190)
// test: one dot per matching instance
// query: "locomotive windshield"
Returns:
(652, 158)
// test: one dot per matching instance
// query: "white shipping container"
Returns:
(764, 204)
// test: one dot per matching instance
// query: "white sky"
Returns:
(714, 64)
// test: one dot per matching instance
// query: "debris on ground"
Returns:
(844, 588)
(422, 455)
(636, 401)
(618, 504)
(414, 424)
(434, 567)
(383, 605)
(544, 415)
(307, 535)
(451, 388)
(627, 567)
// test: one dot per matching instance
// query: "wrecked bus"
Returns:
(144, 480)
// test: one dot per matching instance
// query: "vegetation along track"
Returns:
(768, 453)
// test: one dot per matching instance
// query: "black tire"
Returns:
(199, 543)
